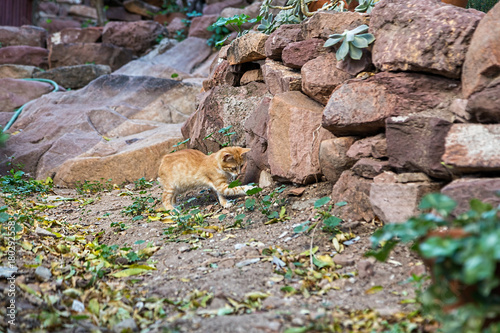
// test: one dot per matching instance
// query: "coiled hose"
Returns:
(18, 112)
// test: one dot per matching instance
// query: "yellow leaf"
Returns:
(308, 252)
(184, 280)
(94, 306)
(27, 245)
(129, 272)
(148, 251)
(336, 244)
(374, 290)
(277, 278)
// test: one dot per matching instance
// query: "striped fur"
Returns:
(190, 169)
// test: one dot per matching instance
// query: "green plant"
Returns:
(93, 187)
(142, 183)
(352, 43)
(224, 133)
(143, 204)
(365, 6)
(17, 184)
(180, 143)
(171, 6)
(269, 205)
(219, 35)
(482, 5)
(294, 12)
(463, 256)
(323, 214)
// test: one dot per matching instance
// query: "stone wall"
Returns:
(418, 113)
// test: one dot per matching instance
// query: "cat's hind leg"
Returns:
(168, 198)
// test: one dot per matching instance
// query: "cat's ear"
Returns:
(227, 157)
(244, 150)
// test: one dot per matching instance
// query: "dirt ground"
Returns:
(253, 275)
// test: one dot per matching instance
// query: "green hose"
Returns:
(18, 112)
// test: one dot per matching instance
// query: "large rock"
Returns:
(121, 14)
(296, 54)
(249, 47)
(417, 144)
(396, 202)
(138, 36)
(199, 25)
(58, 24)
(466, 189)
(182, 58)
(16, 71)
(280, 38)
(325, 23)
(482, 60)
(360, 107)
(224, 106)
(294, 135)
(484, 106)
(82, 53)
(217, 7)
(83, 11)
(74, 77)
(473, 147)
(333, 157)
(370, 167)
(280, 78)
(227, 74)
(25, 35)
(14, 93)
(321, 76)
(256, 139)
(422, 35)
(24, 55)
(61, 134)
(75, 35)
(355, 191)
(374, 146)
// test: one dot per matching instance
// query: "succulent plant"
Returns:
(352, 43)
(365, 6)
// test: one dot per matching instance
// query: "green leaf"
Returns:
(439, 247)
(368, 37)
(321, 202)
(301, 227)
(360, 42)
(332, 221)
(443, 204)
(342, 51)
(354, 52)
(360, 29)
(332, 41)
(250, 203)
(341, 203)
(234, 183)
(383, 253)
(254, 190)
(240, 217)
(479, 206)
(129, 272)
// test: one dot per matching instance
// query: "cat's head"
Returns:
(232, 159)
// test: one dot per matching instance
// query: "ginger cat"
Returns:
(191, 169)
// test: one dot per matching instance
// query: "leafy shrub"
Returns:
(92, 187)
(17, 184)
(482, 5)
(462, 254)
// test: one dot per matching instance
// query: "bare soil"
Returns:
(253, 271)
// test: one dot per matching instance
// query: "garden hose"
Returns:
(18, 112)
